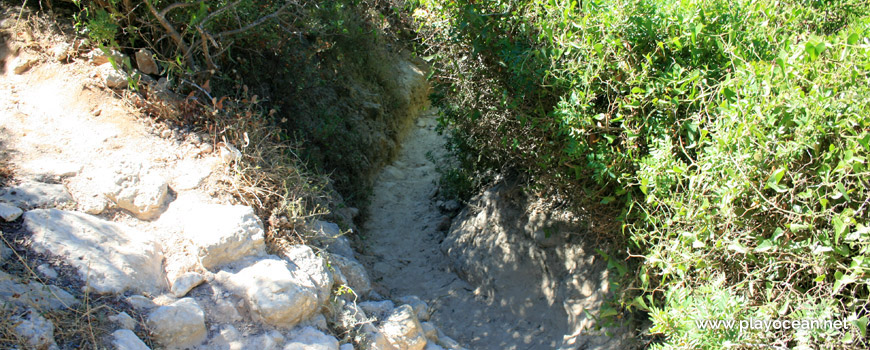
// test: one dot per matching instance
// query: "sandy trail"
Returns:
(403, 244)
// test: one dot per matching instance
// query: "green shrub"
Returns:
(731, 137)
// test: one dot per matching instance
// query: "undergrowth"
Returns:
(728, 138)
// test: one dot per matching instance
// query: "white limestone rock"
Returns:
(308, 338)
(99, 57)
(31, 194)
(125, 339)
(124, 320)
(355, 274)
(304, 259)
(113, 258)
(346, 347)
(34, 294)
(179, 324)
(184, 283)
(421, 309)
(430, 331)
(278, 293)
(23, 64)
(329, 236)
(138, 190)
(377, 309)
(36, 331)
(224, 233)
(9, 212)
(403, 329)
(113, 78)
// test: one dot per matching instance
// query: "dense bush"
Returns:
(731, 138)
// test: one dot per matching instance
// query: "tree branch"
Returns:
(253, 24)
(179, 41)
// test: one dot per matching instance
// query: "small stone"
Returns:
(346, 347)
(98, 57)
(47, 271)
(377, 309)
(354, 272)
(430, 331)
(184, 283)
(9, 212)
(304, 259)
(60, 52)
(37, 332)
(421, 309)
(23, 64)
(206, 148)
(403, 329)
(145, 62)
(125, 339)
(450, 206)
(179, 324)
(113, 78)
(140, 302)
(124, 320)
(166, 133)
(309, 338)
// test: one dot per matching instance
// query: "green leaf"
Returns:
(636, 90)
(843, 191)
(764, 246)
(861, 323)
(644, 185)
(608, 199)
(853, 39)
(820, 278)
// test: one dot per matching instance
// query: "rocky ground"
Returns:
(117, 233)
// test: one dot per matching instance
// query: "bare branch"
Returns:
(179, 41)
(254, 23)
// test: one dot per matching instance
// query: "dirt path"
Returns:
(403, 241)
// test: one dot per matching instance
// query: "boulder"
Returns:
(355, 274)
(140, 191)
(179, 324)
(278, 293)
(111, 257)
(304, 259)
(35, 330)
(9, 212)
(125, 339)
(31, 194)
(61, 51)
(145, 62)
(403, 330)
(224, 233)
(308, 338)
(49, 169)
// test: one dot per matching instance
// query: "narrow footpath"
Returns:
(403, 253)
